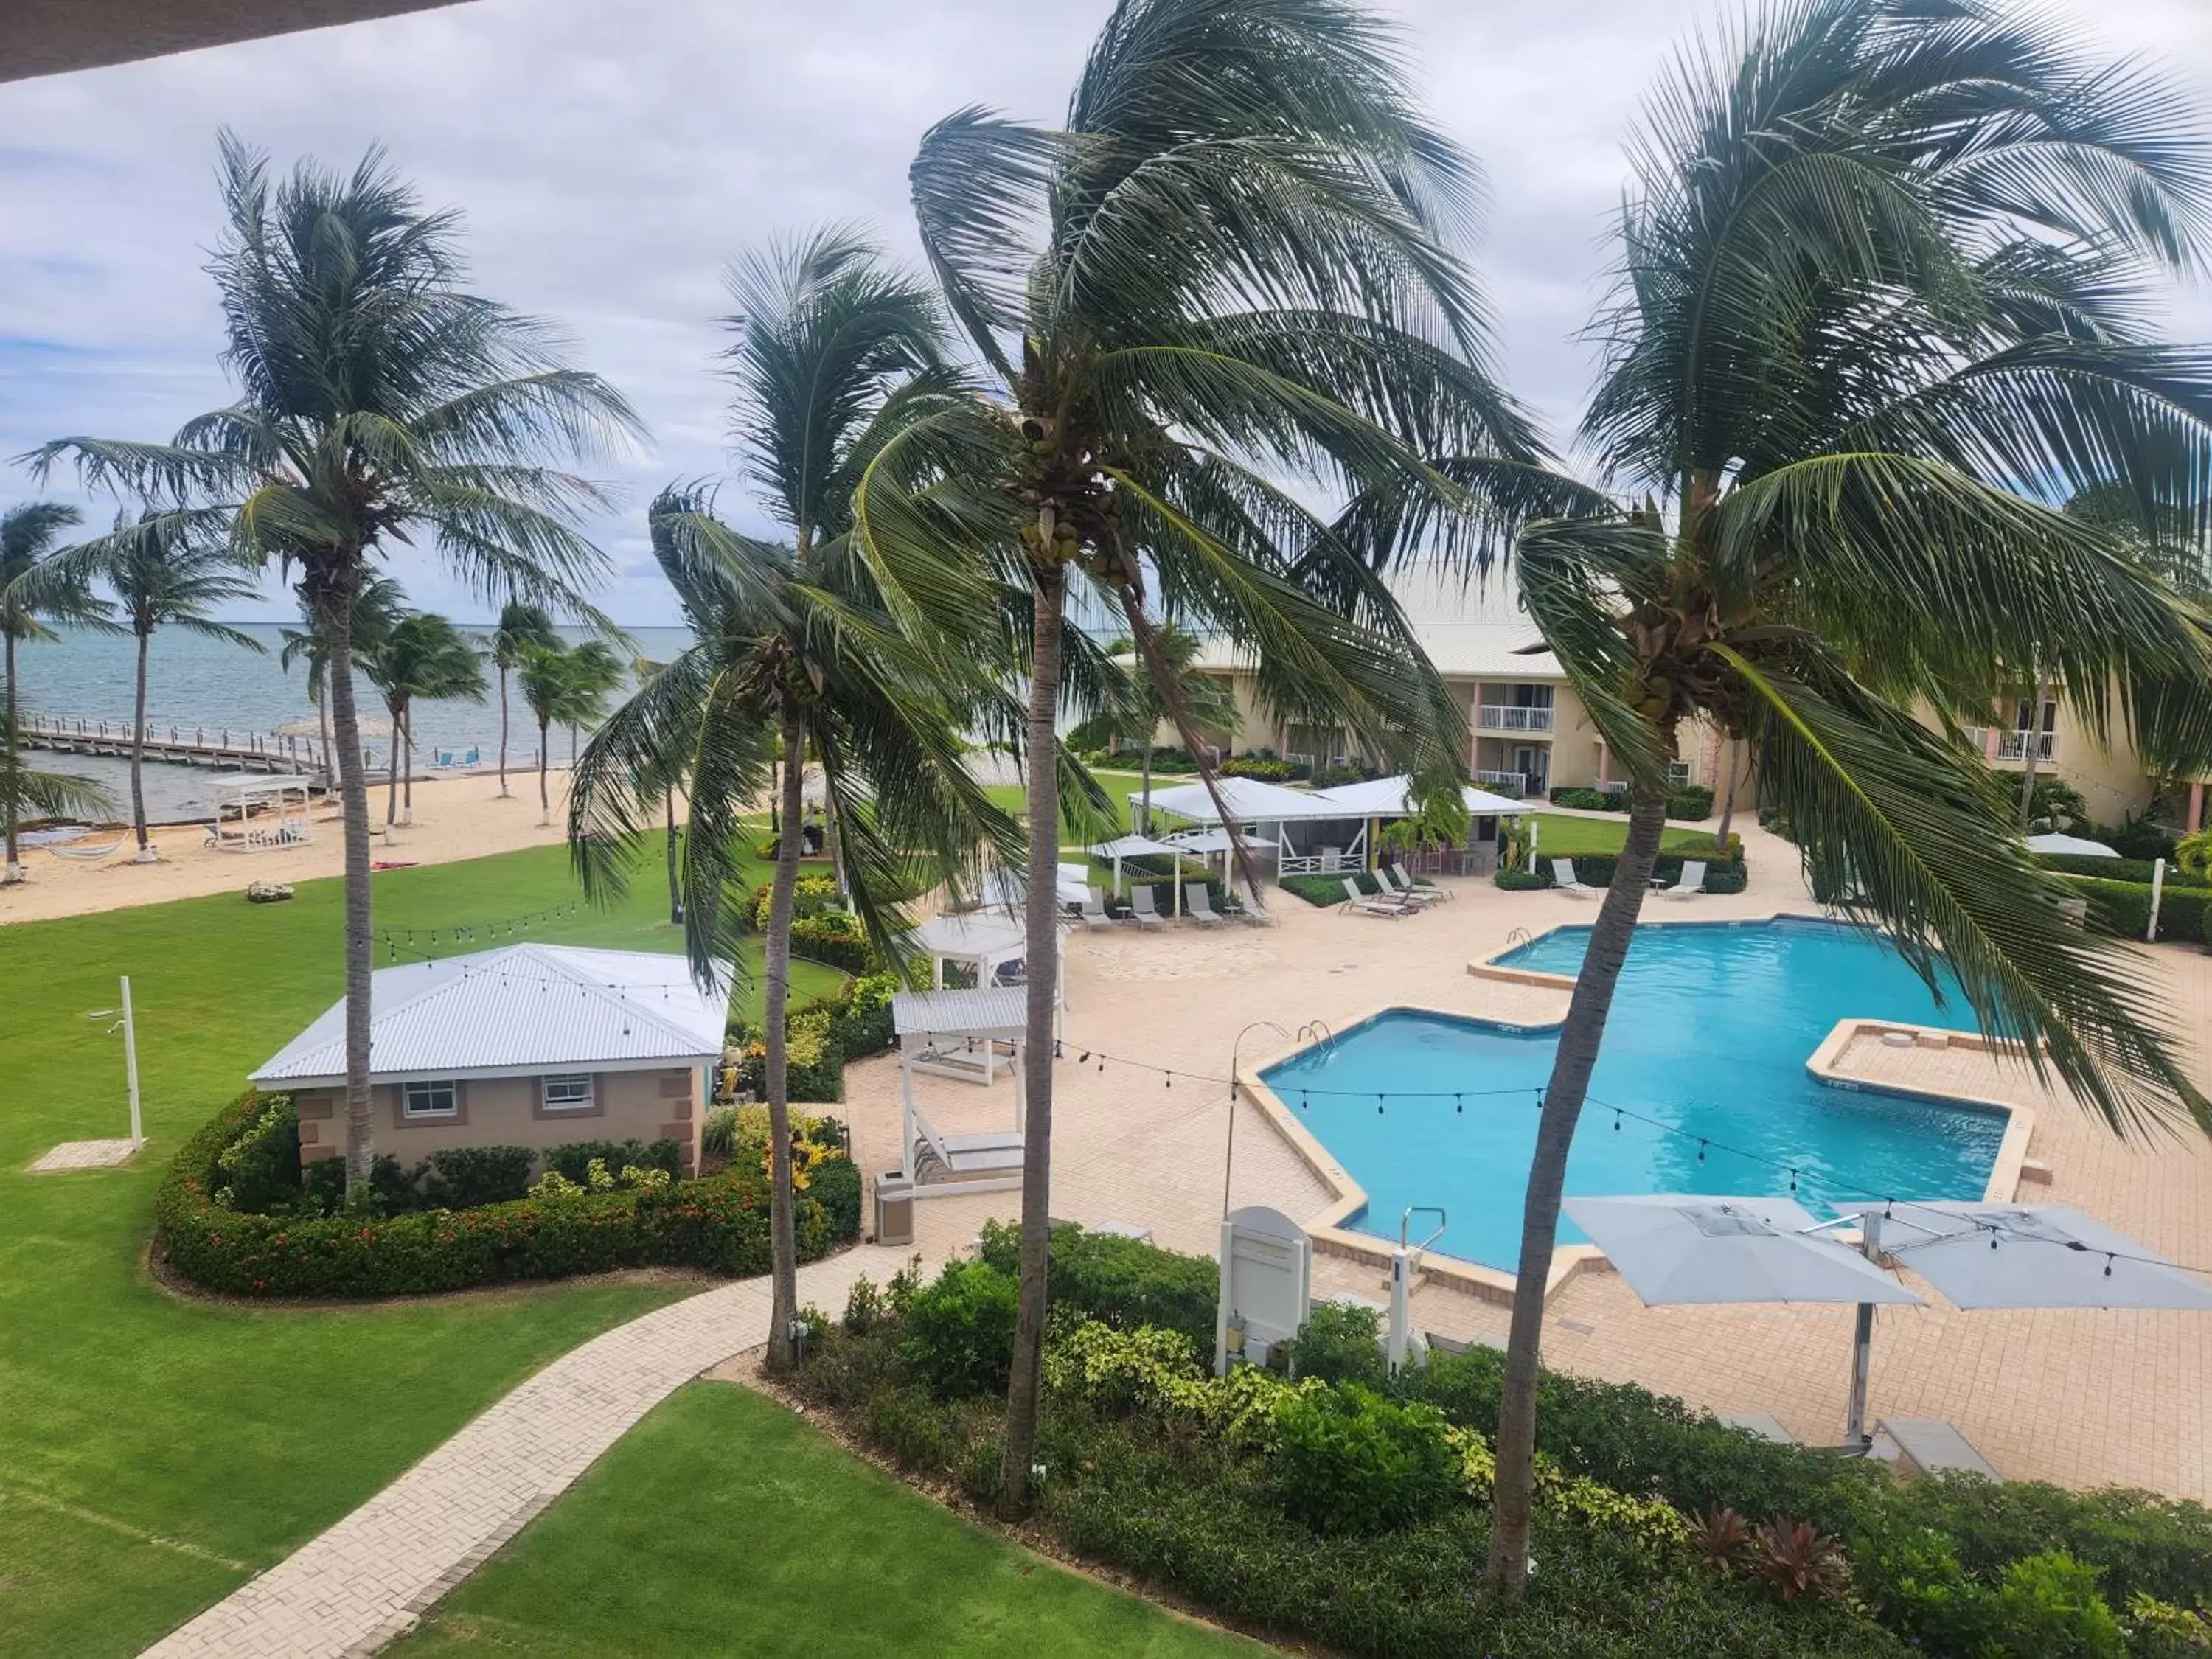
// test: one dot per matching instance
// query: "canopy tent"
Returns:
(1391, 798)
(1141, 847)
(255, 811)
(2071, 847)
(985, 941)
(973, 1035)
(2042, 1256)
(1677, 1248)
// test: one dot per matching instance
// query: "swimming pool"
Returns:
(1710, 1029)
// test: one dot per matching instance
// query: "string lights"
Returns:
(468, 932)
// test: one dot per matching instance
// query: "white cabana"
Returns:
(2071, 847)
(1139, 847)
(975, 1035)
(984, 941)
(256, 812)
(1266, 811)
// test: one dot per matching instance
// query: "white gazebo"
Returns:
(1378, 799)
(255, 813)
(1265, 812)
(988, 943)
(975, 1035)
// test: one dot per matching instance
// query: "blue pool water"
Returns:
(1710, 1029)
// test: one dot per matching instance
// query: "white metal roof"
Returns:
(1250, 800)
(1470, 630)
(993, 1012)
(1132, 846)
(520, 1006)
(1386, 798)
(988, 937)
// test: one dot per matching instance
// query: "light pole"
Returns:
(1235, 1082)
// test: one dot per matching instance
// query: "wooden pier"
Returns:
(180, 745)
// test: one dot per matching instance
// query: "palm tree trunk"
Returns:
(323, 719)
(138, 753)
(391, 772)
(783, 1248)
(675, 890)
(1734, 762)
(15, 871)
(545, 754)
(2027, 756)
(1539, 1218)
(1146, 828)
(502, 731)
(407, 733)
(353, 790)
(1043, 969)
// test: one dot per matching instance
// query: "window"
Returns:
(431, 1100)
(569, 1091)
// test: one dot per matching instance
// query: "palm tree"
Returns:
(422, 656)
(518, 621)
(27, 536)
(378, 603)
(166, 573)
(796, 654)
(380, 402)
(1229, 269)
(563, 685)
(27, 791)
(1883, 284)
(1137, 714)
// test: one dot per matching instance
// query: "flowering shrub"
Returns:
(719, 1223)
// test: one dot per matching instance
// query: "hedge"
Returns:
(1692, 800)
(719, 1223)
(2124, 907)
(1121, 1282)
(836, 939)
(1326, 890)
(2103, 869)
(1595, 870)
(1522, 881)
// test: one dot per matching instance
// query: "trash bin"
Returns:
(894, 1208)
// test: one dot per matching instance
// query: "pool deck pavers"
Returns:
(2085, 1398)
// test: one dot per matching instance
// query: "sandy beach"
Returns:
(455, 817)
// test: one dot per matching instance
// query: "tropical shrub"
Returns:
(2137, 871)
(1121, 1282)
(1254, 766)
(860, 1016)
(1692, 800)
(836, 939)
(259, 1170)
(1340, 1342)
(814, 1065)
(574, 1160)
(811, 895)
(463, 1177)
(1589, 801)
(1522, 881)
(718, 1131)
(1348, 1460)
(2124, 907)
(960, 1329)
(2049, 1607)
(719, 1223)
(2139, 838)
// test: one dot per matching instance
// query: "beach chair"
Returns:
(1396, 883)
(1928, 1445)
(1094, 909)
(1565, 879)
(1142, 911)
(1198, 904)
(1356, 900)
(1691, 883)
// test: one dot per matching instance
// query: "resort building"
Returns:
(1530, 734)
(529, 1045)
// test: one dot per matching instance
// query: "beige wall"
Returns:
(505, 1111)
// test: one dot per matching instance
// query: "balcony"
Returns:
(1501, 717)
(1503, 783)
(2013, 745)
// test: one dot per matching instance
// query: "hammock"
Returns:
(89, 854)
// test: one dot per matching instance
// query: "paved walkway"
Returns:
(364, 1582)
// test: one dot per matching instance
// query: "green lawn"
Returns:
(1561, 836)
(1119, 786)
(153, 1452)
(724, 1525)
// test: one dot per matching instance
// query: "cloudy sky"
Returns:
(612, 159)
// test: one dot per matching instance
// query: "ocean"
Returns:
(196, 681)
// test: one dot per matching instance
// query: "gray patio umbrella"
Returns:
(1679, 1248)
(2039, 1255)
(1683, 1248)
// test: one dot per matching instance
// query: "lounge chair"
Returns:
(1356, 900)
(1928, 1445)
(1398, 885)
(1142, 911)
(1094, 911)
(1565, 878)
(1691, 883)
(1198, 904)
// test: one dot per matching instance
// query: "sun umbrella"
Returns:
(1136, 847)
(2070, 846)
(1682, 1247)
(2041, 1255)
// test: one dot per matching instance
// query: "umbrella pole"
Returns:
(1855, 1434)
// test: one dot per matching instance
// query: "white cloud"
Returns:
(611, 160)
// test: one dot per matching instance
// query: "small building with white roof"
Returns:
(528, 1045)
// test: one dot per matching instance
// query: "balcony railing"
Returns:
(1510, 783)
(1500, 717)
(2013, 745)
